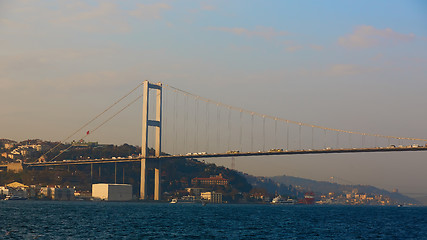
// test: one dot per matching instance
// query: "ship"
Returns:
(185, 199)
(308, 198)
(280, 200)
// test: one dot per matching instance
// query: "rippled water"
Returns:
(109, 220)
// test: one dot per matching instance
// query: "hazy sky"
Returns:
(356, 65)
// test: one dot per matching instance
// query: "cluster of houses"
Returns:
(19, 191)
(21, 151)
(355, 198)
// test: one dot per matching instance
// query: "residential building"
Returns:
(212, 180)
(211, 197)
(58, 193)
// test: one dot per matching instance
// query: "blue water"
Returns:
(109, 220)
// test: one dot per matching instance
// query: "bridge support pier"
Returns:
(157, 123)
(143, 193)
(150, 164)
(157, 182)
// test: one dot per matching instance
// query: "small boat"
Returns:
(174, 200)
(10, 198)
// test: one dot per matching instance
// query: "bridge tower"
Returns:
(157, 123)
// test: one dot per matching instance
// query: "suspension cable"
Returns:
(100, 125)
(290, 121)
(93, 119)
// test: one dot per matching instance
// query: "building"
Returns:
(9, 145)
(112, 192)
(211, 197)
(212, 180)
(4, 191)
(17, 189)
(58, 193)
(195, 191)
(15, 167)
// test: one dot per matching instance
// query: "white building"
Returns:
(4, 191)
(112, 192)
(211, 197)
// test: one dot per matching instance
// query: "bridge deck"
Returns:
(235, 154)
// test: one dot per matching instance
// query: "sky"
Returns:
(355, 65)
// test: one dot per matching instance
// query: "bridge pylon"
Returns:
(157, 123)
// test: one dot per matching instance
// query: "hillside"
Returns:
(323, 187)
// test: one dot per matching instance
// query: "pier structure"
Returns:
(157, 123)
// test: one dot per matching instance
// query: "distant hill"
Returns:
(296, 187)
(274, 187)
(326, 187)
(421, 199)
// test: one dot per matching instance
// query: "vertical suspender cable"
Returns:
(207, 127)
(229, 128)
(312, 137)
(196, 113)
(363, 141)
(177, 124)
(164, 122)
(275, 132)
(252, 132)
(218, 133)
(324, 139)
(287, 135)
(299, 130)
(338, 141)
(174, 123)
(263, 133)
(241, 133)
(185, 124)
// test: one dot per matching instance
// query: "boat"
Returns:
(308, 199)
(280, 200)
(185, 199)
(10, 198)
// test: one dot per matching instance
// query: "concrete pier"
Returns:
(157, 123)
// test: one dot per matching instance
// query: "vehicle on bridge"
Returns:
(276, 150)
(233, 152)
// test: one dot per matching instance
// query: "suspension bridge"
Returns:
(180, 124)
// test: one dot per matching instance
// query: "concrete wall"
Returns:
(112, 192)
(14, 167)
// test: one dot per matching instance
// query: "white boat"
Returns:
(280, 200)
(14, 197)
(184, 199)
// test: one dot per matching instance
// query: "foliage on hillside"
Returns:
(176, 174)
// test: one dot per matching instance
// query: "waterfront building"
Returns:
(17, 189)
(4, 191)
(195, 191)
(112, 192)
(212, 197)
(58, 193)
